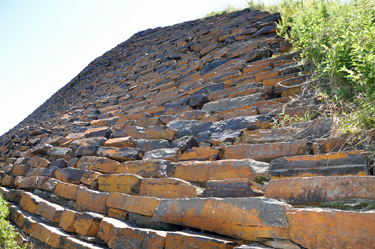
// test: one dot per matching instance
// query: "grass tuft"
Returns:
(8, 234)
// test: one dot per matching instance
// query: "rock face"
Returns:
(177, 130)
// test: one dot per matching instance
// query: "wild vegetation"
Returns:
(8, 235)
(338, 36)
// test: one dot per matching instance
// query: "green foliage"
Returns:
(295, 119)
(339, 37)
(7, 233)
(261, 179)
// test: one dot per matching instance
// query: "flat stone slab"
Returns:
(230, 188)
(168, 188)
(203, 171)
(172, 154)
(303, 190)
(226, 104)
(242, 218)
(136, 204)
(334, 164)
(322, 228)
(202, 154)
(101, 164)
(156, 168)
(270, 135)
(265, 152)
(121, 154)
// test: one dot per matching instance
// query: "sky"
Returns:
(46, 43)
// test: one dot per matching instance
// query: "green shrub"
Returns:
(8, 235)
(339, 37)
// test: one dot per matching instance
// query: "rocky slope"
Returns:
(168, 141)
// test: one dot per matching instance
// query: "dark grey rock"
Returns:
(198, 100)
(225, 104)
(226, 136)
(258, 54)
(61, 152)
(151, 144)
(41, 149)
(89, 150)
(71, 175)
(184, 143)
(245, 122)
(204, 137)
(121, 154)
(60, 163)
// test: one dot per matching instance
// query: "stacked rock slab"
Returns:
(165, 140)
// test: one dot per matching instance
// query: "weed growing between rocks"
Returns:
(261, 179)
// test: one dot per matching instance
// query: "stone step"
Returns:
(265, 152)
(168, 188)
(242, 218)
(226, 93)
(231, 188)
(333, 164)
(226, 104)
(203, 171)
(270, 102)
(304, 190)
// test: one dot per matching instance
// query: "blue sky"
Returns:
(46, 43)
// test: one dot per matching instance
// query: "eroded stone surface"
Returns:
(243, 218)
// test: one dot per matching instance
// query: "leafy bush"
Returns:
(339, 37)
